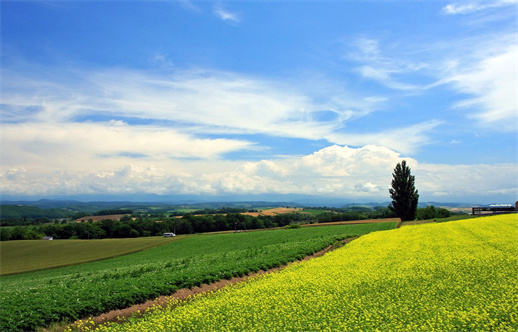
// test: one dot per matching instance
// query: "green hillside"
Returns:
(456, 276)
(74, 292)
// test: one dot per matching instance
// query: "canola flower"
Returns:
(456, 276)
(34, 300)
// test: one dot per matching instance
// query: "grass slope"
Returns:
(37, 299)
(32, 255)
(457, 276)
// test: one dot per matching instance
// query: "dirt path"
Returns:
(184, 293)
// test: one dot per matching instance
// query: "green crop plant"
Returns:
(456, 276)
(38, 299)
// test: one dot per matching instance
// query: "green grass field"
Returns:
(33, 255)
(185, 210)
(455, 276)
(69, 293)
(313, 212)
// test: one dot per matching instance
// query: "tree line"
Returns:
(112, 211)
(142, 226)
(12, 215)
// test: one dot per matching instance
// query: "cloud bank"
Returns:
(126, 131)
(333, 121)
(335, 171)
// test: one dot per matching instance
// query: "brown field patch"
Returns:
(273, 212)
(97, 218)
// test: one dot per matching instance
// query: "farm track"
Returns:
(185, 293)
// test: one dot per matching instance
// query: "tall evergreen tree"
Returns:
(403, 193)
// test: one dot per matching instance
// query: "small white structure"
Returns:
(169, 234)
(48, 238)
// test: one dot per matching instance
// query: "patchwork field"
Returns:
(36, 299)
(455, 276)
(97, 218)
(273, 212)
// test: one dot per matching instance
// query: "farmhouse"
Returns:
(495, 208)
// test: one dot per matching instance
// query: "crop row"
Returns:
(37, 299)
(457, 276)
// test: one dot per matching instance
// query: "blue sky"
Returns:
(318, 98)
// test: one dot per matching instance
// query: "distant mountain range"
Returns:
(251, 201)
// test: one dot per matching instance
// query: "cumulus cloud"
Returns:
(337, 171)
(334, 170)
(15, 174)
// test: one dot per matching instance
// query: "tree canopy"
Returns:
(403, 192)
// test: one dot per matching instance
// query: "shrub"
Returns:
(431, 212)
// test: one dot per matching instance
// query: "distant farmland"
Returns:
(274, 211)
(97, 218)
(78, 291)
(455, 276)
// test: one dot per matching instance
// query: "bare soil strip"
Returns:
(186, 293)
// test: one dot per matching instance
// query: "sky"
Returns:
(244, 98)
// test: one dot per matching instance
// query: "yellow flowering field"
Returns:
(456, 276)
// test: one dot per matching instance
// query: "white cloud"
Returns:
(196, 97)
(189, 5)
(405, 139)
(461, 181)
(225, 14)
(15, 174)
(198, 101)
(493, 83)
(383, 68)
(384, 76)
(337, 171)
(484, 72)
(77, 146)
(481, 69)
(468, 7)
